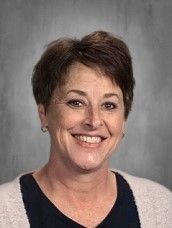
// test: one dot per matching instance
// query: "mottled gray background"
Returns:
(27, 25)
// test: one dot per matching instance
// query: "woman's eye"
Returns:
(75, 103)
(109, 106)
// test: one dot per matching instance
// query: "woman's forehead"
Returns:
(79, 74)
(90, 82)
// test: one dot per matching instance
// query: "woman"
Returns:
(84, 92)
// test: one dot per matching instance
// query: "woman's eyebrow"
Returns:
(82, 93)
(108, 95)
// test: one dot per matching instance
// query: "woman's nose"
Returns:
(93, 119)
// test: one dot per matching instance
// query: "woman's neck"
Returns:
(86, 198)
(55, 179)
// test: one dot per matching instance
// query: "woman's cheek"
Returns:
(116, 125)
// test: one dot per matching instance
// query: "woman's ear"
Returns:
(42, 115)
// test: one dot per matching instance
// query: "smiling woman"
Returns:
(84, 93)
(85, 119)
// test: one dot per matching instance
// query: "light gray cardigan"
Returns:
(154, 203)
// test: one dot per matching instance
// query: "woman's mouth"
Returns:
(88, 139)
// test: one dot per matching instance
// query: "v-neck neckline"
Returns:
(42, 213)
(69, 220)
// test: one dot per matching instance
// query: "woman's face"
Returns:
(85, 119)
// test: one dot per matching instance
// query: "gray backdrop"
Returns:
(27, 25)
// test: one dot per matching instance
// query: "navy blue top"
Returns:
(42, 213)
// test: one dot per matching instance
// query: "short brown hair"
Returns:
(98, 49)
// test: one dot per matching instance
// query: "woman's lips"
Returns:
(87, 140)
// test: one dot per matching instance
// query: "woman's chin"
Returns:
(89, 166)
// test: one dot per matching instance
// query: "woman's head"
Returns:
(99, 50)
(85, 120)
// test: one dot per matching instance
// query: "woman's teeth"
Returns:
(88, 139)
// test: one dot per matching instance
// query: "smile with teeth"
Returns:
(88, 139)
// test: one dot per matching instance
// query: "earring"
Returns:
(123, 134)
(44, 129)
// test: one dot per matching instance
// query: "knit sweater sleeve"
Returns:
(154, 202)
(12, 211)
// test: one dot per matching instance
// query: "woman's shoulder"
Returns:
(12, 189)
(12, 209)
(153, 200)
(8, 187)
(9, 192)
(147, 185)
